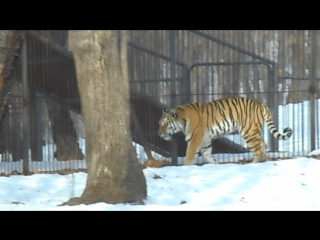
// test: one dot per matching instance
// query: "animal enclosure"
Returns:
(43, 125)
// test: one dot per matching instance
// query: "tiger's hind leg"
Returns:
(206, 152)
(257, 145)
(259, 152)
(264, 148)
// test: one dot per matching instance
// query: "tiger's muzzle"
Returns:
(164, 134)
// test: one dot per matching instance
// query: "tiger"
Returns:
(201, 123)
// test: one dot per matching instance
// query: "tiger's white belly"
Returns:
(217, 132)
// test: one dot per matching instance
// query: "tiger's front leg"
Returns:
(206, 152)
(205, 149)
(192, 152)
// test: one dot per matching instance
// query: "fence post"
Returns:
(274, 143)
(173, 38)
(312, 88)
(25, 108)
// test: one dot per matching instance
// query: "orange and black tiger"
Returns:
(200, 123)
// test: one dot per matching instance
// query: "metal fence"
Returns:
(166, 68)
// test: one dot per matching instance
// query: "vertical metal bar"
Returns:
(186, 85)
(143, 72)
(25, 108)
(274, 107)
(312, 89)
(173, 35)
(185, 82)
(39, 129)
(269, 103)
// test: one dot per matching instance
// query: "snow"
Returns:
(314, 152)
(292, 184)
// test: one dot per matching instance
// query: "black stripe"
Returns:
(235, 107)
(207, 107)
(252, 147)
(251, 139)
(212, 113)
(212, 130)
(246, 133)
(222, 104)
(241, 111)
(228, 125)
(207, 146)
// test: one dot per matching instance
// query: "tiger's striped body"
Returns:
(200, 123)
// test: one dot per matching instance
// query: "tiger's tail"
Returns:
(287, 132)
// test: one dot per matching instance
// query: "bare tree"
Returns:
(59, 85)
(10, 44)
(64, 134)
(114, 174)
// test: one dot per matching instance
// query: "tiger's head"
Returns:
(169, 124)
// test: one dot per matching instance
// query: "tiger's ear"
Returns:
(171, 112)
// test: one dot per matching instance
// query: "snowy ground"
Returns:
(292, 184)
(280, 185)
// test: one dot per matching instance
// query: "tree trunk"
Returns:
(10, 44)
(64, 134)
(114, 174)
